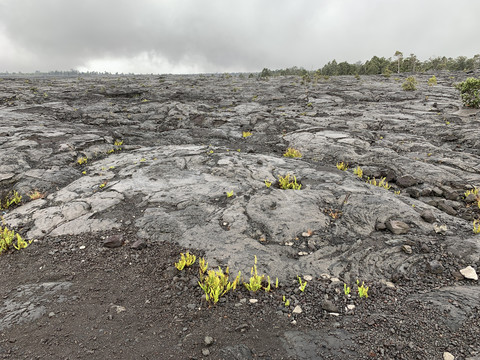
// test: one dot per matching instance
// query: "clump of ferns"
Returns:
(286, 182)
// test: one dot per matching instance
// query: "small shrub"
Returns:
(410, 84)
(387, 73)
(82, 160)
(362, 289)
(256, 282)
(246, 134)
(216, 284)
(292, 153)
(185, 260)
(432, 81)
(7, 240)
(13, 199)
(286, 183)
(470, 92)
(358, 171)
(383, 183)
(342, 166)
(476, 226)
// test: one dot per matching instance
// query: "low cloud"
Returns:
(217, 35)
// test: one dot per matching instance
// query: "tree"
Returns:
(399, 56)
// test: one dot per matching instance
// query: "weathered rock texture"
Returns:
(183, 150)
(163, 152)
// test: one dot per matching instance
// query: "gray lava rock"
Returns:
(435, 267)
(397, 227)
(329, 306)
(139, 244)
(113, 241)
(428, 216)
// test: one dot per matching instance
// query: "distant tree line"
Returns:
(381, 65)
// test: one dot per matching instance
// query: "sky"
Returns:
(216, 36)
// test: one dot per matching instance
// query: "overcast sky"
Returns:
(192, 36)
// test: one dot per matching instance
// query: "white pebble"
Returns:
(469, 273)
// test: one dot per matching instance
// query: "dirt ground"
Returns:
(76, 299)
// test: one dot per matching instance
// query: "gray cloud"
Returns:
(222, 35)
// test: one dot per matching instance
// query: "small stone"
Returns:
(118, 308)
(380, 225)
(208, 340)
(288, 243)
(81, 247)
(390, 284)
(435, 267)
(306, 234)
(397, 227)
(407, 249)
(302, 253)
(350, 307)
(308, 278)
(329, 306)
(297, 310)
(253, 301)
(113, 241)
(51, 314)
(448, 356)
(294, 322)
(428, 216)
(469, 273)
(440, 229)
(205, 352)
(139, 245)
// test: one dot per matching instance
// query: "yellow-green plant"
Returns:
(186, 259)
(82, 160)
(383, 183)
(303, 284)
(216, 284)
(268, 287)
(255, 282)
(346, 289)
(118, 143)
(358, 171)
(474, 192)
(342, 166)
(203, 265)
(276, 283)
(286, 301)
(476, 226)
(292, 153)
(362, 289)
(432, 81)
(268, 183)
(286, 183)
(7, 240)
(246, 134)
(410, 84)
(229, 194)
(13, 199)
